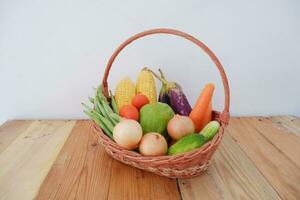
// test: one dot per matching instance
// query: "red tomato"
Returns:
(139, 101)
(129, 112)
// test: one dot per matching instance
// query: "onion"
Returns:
(153, 144)
(180, 126)
(128, 134)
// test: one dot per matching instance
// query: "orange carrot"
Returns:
(199, 110)
(207, 116)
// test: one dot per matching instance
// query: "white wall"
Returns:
(53, 52)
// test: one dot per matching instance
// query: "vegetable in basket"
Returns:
(139, 101)
(201, 113)
(114, 103)
(153, 144)
(187, 143)
(155, 117)
(124, 93)
(102, 113)
(180, 126)
(194, 141)
(146, 85)
(207, 116)
(129, 112)
(128, 133)
(172, 94)
(210, 130)
(163, 93)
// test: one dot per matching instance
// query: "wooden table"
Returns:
(259, 158)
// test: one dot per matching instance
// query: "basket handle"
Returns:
(224, 116)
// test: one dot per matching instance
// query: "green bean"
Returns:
(108, 111)
(100, 123)
(104, 121)
(96, 99)
(106, 107)
(115, 117)
(97, 105)
(90, 108)
(108, 123)
(114, 122)
(92, 100)
(100, 94)
(100, 107)
(86, 107)
(113, 103)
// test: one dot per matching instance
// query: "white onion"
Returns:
(153, 144)
(128, 134)
(180, 126)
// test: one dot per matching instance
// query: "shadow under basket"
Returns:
(184, 165)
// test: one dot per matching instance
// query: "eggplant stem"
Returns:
(158, 77)
(161, 74)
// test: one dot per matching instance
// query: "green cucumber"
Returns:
(187, 143)
(210, 130)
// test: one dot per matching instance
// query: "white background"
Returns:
(53, 52)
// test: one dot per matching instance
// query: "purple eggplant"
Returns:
(179, 102)
(172, 94)
(164, 95)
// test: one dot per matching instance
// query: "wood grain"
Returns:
(257, 159)
(10, 130)
(200, 187)
(232, 175)
(26, 161)
(130, 183)
(280, 172)
(287, 143)
(290, 123)
(82, 169)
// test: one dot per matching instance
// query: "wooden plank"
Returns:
(130, 183)
(95, 176)
(232, 175)
(290, 123)
(201, 187)
(82, 169)
(285, 141)
(280, 172)
(10, 130)
(26, 161)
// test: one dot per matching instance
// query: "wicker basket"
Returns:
(179, 166)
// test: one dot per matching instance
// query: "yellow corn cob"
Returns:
(124, 93)
(146, 85)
